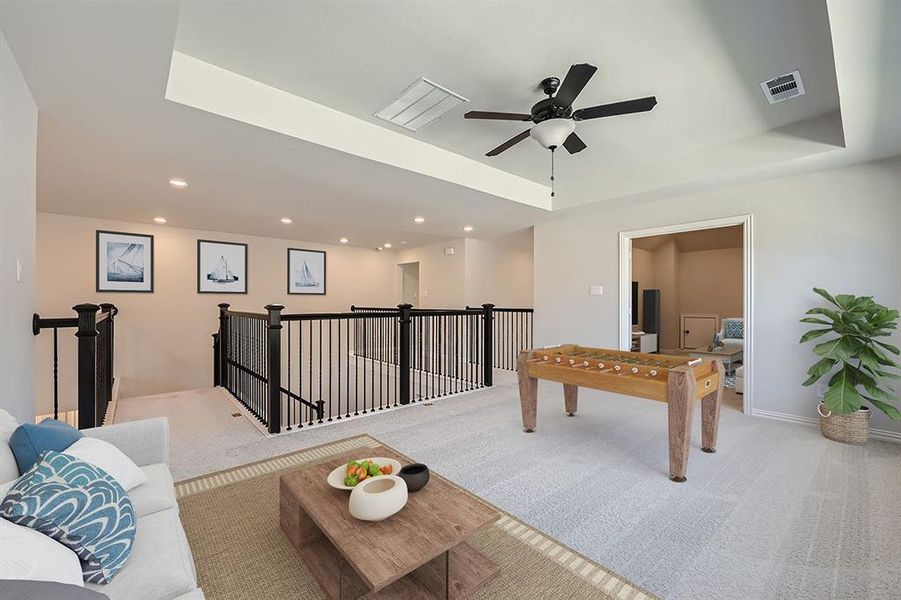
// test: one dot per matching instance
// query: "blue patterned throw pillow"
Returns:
(78, 505)
(735, 329)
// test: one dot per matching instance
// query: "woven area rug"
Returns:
(231, 520)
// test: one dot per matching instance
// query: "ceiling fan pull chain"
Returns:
(553, 185)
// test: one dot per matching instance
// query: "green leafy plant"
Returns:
(858, 362)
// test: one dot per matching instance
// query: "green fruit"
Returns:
(351, 480)
(373, 470)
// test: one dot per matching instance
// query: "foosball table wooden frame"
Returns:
(676, 380)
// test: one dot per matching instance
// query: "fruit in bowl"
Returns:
(357, 471)
(347, 475)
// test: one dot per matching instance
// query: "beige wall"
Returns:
(18, 155)
(836, 229)
(711, 282)
(643, 273)
(163, 339)
(666, 279)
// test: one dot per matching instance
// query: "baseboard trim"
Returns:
(879, 434)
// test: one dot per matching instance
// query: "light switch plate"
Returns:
(448, 251)
(18, 270)
(596, 290)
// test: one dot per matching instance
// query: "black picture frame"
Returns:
(104, 286)
(319, 290)
(246, 274)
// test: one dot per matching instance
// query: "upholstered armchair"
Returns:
(732, 332)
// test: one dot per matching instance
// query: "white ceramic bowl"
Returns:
(378, 498)
(336, 477)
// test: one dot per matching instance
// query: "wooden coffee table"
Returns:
(728, 356)
(418, 553)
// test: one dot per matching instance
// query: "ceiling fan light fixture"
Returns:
(552, 132)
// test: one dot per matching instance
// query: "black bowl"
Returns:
(415, 475)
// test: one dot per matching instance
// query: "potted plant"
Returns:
(856, 360)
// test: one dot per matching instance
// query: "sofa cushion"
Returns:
(29, 441)
(9, 470)
(46, 590)
(160, 567)
(28, 554)
(157, 494)
(734, 328)
(109, 458)
(80, 506)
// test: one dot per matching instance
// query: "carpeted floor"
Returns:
(234, 515)
(778, 512)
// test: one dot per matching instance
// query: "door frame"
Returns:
(625, 286)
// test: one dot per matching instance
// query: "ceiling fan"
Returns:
(554, 118)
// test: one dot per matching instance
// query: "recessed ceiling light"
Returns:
(343, 240)
(160, 220)
(403, 243)
(178, 183)
(286, 220)
(379, 248)
(419, 219)
(387, 244)
(467, 228)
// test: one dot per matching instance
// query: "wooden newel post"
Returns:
(220, 358)
(87, 367)
(274, 358)
(405, 349)
(488, 350)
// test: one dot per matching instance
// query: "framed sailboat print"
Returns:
(306, 271)
(221, 267)
(124, 262)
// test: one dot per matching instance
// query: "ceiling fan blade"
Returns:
(511, 142)
(617, 108)
(501, 116)
(573, 84)
(574, 143)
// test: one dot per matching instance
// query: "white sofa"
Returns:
(161, 566)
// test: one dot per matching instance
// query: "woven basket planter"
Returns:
(850, 428)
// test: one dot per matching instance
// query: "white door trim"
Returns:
(625, 286)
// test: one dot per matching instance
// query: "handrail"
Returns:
(345, 315)
(38, 323)
(95, 335)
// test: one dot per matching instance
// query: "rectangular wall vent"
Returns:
(420, 104)
(783, 87)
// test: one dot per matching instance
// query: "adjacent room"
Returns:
(429, 299)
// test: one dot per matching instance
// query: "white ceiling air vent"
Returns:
(783, 87)
(420, 104)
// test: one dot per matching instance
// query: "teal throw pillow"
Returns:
(29, 441)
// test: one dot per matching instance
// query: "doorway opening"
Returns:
(409, 274)
(686, 290)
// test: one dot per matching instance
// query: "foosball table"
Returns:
(678, 381)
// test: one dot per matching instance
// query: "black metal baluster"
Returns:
(330, 371)
(319, 399)
(338, 380)
(356, 370)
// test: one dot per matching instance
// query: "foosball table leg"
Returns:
(680, 396)
(528, 393)
(571, 398)
(710, 411)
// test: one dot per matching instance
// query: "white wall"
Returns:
(499, 270)
(441, 276)
(18, 155)
(835, 229)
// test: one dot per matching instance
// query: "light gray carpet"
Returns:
(778, 512)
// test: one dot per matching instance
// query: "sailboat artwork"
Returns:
(221, 273)
(125, 262)
(221, 267)
(306, 271)
(303, 277)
